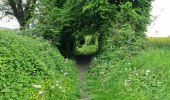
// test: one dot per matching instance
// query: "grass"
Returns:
(32, 69)
(90, 46)
(142, 77)
(86, 50)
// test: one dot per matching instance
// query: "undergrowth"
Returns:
(144, 76)
(32, 69)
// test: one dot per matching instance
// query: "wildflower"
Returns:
(52, 87)
(65, 73)
(41, 92)
(66, 60)
(37, 86)
(94, 58)
(147, 72)
(60, 87)
(57, 84)
(101, 72)
(126, 83)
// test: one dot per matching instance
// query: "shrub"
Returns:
(30, 68)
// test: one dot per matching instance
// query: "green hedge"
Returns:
(30, 68)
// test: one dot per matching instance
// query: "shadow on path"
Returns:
(83, 63)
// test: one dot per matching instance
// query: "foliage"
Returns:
(142, 77)
(77, 18)
(31, 69)
(116, 72)
(122, 37)
(56, 22)
(87, 45)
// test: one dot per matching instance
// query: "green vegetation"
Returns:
(32, 69)
(141, 77)
(88, 45)
(79, 18)
(114, 30)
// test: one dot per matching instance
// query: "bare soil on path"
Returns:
(83, 63)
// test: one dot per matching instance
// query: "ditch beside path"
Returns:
(83, 63)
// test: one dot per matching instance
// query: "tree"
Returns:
(20, 9)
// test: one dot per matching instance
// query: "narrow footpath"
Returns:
(83, 63)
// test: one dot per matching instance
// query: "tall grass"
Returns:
(145, 76)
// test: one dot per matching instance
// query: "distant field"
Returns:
(159, 42)
(159, 39)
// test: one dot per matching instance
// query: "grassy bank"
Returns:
(32, 69)
(141, 77)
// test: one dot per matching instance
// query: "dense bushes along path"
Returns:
(32, 69)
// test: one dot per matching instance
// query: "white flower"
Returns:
(65, 73)
(94, 58)
(60, 87)
(57, 84)
(101, 72)
(147, 72)
(37, 86)
(52, 87)
(126, 82)
(41, 92)
(66, 60)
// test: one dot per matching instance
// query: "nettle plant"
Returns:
(31, 68)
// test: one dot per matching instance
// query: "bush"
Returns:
(30, 68)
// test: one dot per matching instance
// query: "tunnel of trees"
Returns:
(65, 22)
(106, 24)
(68, 23)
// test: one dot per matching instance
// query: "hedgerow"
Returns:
(32, 69)
(122, 38)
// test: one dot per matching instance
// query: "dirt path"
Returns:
(82, 64)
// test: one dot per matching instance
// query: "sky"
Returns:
(159, 27)
(9, 23)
